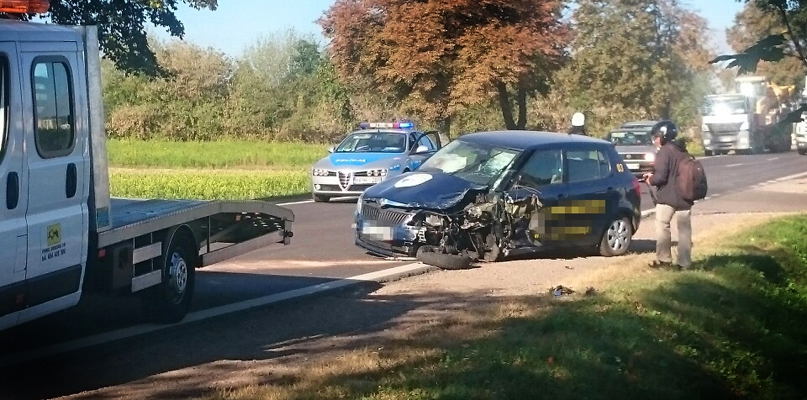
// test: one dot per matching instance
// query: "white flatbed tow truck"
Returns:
(61, 234)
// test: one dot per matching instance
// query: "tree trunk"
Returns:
(444, 129)
(504, 103)
(522, 107)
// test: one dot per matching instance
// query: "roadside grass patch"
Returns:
(208, 184)
(218, 154)
(733, 328)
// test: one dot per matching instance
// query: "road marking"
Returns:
(794, 176)
(773, 159)
(295, 202)
(385, 275)
(734, 165)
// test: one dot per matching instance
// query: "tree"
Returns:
(120, 23)
(440, 57)
(789, 42)
(636, 59)
(753, 24)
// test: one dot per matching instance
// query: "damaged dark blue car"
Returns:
(489, 195)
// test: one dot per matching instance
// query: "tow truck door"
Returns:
(56, 125)
(13, 193)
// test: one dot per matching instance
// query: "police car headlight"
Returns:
(319, 172)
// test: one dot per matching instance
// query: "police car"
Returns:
(369, 155)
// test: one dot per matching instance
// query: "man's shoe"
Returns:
(664, 265)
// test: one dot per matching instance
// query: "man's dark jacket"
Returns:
(578, 130)
(664, 174)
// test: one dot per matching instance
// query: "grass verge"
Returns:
(733, 328)
(208, 184)
(219, 154)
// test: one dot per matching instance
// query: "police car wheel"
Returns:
(318, 198)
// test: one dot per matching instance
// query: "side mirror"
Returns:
(331, 149)
(421, 149)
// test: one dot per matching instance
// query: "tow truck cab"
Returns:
(60, 231)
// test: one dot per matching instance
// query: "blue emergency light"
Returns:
(388, 125)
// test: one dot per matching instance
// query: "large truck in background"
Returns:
(801, 127)
(61, 234)
(746, 121)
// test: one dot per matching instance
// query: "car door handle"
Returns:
(12, 190)
(72, 180)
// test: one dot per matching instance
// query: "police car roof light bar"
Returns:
(389, 125)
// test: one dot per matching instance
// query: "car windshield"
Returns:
(375, 142)
(725, 107)
(630, 138)
(477, 163)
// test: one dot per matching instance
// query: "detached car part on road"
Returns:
(488, 195)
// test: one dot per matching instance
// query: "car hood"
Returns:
(422, 190)
(352, 161)
(635, 149)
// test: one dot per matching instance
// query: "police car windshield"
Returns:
(373, 142)
(477, 163)
(631, 138)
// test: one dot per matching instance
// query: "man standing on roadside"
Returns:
(669, 202)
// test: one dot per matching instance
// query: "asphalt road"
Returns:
(322, 250)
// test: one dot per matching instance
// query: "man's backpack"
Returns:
(691, 179)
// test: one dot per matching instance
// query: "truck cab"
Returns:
(728, 124)
(61, 233)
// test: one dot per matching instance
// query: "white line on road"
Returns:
(773, 159)
(295, 202)
(385, 275)
(734, 165)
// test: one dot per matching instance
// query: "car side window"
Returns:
(425, 141)
(544, 167)
(4, 100)
(587, 165)
(412, 141)
(53, 109)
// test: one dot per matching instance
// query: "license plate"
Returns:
(377, 232)
(632, 166)
(360, 180)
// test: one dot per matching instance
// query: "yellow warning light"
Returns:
(24, 6)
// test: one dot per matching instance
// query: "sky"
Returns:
(238, 23)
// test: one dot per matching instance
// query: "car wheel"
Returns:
(430, 255)
(320, 198)
(802, 152)
(617, 238)
(707, 153)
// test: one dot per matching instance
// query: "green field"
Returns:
(232, 170)
(220, 154)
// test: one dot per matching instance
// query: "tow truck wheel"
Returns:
(617, 238)
(169, 301)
